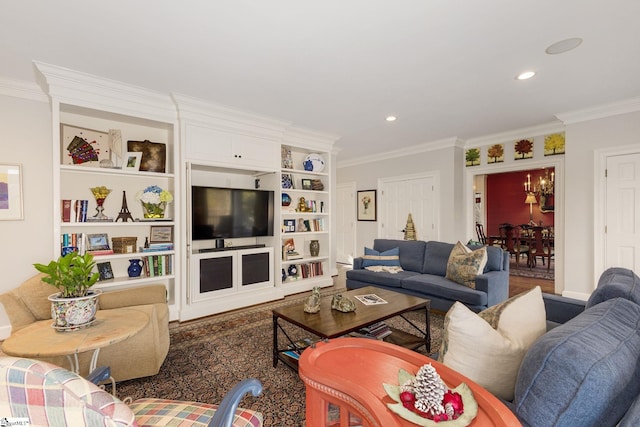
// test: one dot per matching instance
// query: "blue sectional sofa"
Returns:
(586, 371)
(424, 267)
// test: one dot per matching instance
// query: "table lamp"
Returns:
(531, 199)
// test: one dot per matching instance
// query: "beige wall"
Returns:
(25, 138)
(442, 161)
(583, 141)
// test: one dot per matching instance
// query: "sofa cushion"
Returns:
(49, 395)
(161, 412)
(389, 258)
(464, 264)
(436, 258)
(411, 252)
(616, 282)
(430, 284)
(584, 372)
(34, 292)
(488, 347)
(383, 278)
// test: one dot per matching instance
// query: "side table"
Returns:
(344, 377)
(40, 340)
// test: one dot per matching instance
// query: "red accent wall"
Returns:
(505, 200)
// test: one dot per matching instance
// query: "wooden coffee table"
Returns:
(328, 323)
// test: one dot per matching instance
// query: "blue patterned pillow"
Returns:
(387, 258)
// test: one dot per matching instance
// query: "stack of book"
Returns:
(157, 247)
(377, 331)
(74, 210)
(295, 349)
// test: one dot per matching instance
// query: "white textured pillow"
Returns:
(488, 347)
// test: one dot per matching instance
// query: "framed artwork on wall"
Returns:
(11, 192)
(83, 147)
(367, 205)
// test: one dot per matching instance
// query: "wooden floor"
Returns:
(518, 284)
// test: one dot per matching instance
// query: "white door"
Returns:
(622, 239)
(345, 223)
(410, 195)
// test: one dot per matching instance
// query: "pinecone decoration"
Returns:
(429, 390)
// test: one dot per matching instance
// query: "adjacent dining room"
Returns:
(515, 210)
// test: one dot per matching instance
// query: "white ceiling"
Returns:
(446, 68)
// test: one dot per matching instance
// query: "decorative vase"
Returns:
(314, 247)
(100, 194)
(135, 267)
(70, 314)
(153, 210)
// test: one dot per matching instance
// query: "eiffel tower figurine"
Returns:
(124, 214)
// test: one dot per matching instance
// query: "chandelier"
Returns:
(544, 186)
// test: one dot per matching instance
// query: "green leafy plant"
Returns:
(71, 274)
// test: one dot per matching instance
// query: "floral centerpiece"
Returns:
(425, 400)
(154, 201)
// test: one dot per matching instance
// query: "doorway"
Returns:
(416, 195)
(475, 190)
(345, 222)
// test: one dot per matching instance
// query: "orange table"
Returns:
(344, 378)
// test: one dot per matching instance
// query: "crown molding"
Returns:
(631, 105)
(22, 89)
(403, 152)
(515, 134)
(309, 138)
(85, 90)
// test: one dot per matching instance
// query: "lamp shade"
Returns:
(531, 198)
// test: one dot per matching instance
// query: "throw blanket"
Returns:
(384, 268)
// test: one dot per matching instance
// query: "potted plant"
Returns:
(75, 305)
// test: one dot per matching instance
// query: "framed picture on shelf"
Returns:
(104, 268)
(132, 160)
(161, 234)
(83, 147)
(98, 242)
(10, 192)
(154, 155)
(289, 225)
(367, 205)
(307, 184)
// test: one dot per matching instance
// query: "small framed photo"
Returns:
(289, 225)
(132, 161)
(367, 205)
(307, 184)
(161, 234)
(98, 242)
(11, 192)
(104, 268)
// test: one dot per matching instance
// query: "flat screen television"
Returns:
(219, 213)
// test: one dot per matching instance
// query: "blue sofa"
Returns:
(585, 371)
(424, 267)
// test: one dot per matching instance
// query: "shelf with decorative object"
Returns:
(111, 142)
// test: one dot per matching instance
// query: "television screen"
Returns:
(230, 213)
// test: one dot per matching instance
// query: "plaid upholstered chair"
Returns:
(45, 394)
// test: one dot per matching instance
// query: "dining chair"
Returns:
(540, 246)
(513, 242)
(482, 238)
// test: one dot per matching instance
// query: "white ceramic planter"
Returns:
(70, 314)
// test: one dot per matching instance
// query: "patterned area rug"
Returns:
(207, 357)
(538, 272)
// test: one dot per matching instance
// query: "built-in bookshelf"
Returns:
(99, 169)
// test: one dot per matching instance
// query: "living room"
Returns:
(599, 121)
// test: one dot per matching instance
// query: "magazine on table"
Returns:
(370, 299)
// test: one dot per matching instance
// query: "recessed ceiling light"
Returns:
(526, 75)
(564, 46)
(391, 118)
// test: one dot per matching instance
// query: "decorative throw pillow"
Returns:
(389, 258)
(489, 347)
(464, 264)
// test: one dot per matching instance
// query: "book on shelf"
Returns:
(71, 242)
(289, 250)
(73, 210)
(158, 265)
(157, 247)
(101, 252)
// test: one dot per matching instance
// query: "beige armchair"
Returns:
(138, 356)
